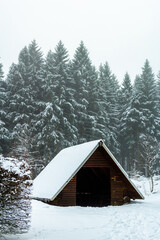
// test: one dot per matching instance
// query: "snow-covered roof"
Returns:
(55, 176)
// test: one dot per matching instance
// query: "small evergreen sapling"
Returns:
(149, 154)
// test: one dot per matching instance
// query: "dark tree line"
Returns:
(47, 104)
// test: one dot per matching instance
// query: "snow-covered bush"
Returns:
(15, 187)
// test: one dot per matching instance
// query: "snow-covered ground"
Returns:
(139, 220)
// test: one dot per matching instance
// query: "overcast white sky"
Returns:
(122, 32)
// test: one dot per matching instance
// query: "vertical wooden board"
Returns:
(98, 159)
(67, 197)
(118, 187)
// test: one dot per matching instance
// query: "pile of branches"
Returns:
(15, 188)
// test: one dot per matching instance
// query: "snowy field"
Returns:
(139, 220)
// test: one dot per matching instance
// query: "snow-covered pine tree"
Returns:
(158, 101)
(56, 130)
(47, 121)
(150, 157)
(25, 88)
(15, 188)
(36, 71)
(102, 117)
(36, 81)
(125, 97)
(46, 136)
(158, 110)
(149, 100)
(132, 127)
(142, 115)
(126, 89)
(108, 105)
(63, 92)
(68, 106)
(5, 136)
(1, 72)
(20, 107)
(84, 75)
(92, 108)
(14, 85)
(20, 104)
(147, 93)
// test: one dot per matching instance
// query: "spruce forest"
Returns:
(49, 103)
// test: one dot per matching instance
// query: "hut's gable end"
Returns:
(120, 187)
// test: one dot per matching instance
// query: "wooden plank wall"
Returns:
(67, 197)
(119, 184)
(118, 187)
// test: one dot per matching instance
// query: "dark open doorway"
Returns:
(93, 187)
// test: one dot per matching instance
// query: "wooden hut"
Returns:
(85, 175)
